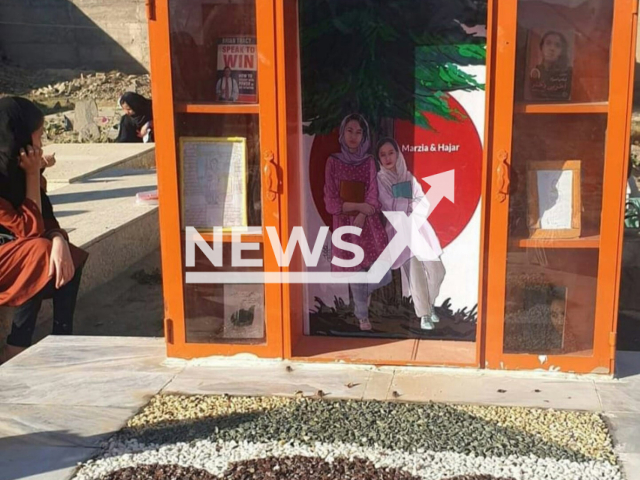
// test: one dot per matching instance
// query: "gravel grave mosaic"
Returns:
(268, 438)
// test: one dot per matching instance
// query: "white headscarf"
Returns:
(387, 178)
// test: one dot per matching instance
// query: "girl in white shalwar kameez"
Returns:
(398, 190)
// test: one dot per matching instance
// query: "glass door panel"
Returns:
(563, 51)
(214, 51)
(408, 92)
(218, 192)
(225, 123)
(553, 177)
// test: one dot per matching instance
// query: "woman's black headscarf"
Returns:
(142, 111)
(19, 118)
(130, 125)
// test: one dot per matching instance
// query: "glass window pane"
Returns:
(220, 186)
(563, 50)
(556, 177)
(214, 51)
(393, 93)
(224, 313)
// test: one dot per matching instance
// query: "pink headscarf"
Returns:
(362, 153)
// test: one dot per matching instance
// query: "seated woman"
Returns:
(136, 125)
(36, 259)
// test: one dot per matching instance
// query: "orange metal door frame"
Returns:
(617, 144)
(166, 161)
(623, 56)
(168, 181)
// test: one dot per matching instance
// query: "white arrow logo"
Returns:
(407, 236)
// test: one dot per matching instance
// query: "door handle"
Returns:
(271, 175)
(504, 176)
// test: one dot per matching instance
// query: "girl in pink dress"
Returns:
(351, 197)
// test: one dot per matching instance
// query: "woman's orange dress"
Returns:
(24, 262)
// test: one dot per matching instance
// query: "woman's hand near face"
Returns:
(31, 160)
(61, 264)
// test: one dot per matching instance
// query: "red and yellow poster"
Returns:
(237, 78)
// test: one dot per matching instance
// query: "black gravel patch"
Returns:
(273, 468)
(388, 425)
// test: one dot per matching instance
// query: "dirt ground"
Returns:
(64, 86)
(130, 305)
(57, 91)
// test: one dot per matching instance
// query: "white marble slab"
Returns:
(102, 341)
(630, 465)
(61, 357)
(625, 429)
(492, 390)
(620, 395)
(75, 162)
(102, 205)
(122, 388)
(379, 385)
(272, 378)
(53, 425)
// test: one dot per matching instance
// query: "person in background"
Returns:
(227, 88)
(36, 259)
(136, 125)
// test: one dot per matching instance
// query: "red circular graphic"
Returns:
(451, 144)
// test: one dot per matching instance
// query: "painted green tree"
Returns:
(387, 59)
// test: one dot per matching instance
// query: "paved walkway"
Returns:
(65, 395)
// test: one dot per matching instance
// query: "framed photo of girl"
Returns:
(549, 68)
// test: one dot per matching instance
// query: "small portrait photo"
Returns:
(550, 65)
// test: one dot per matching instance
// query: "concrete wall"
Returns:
(95, 34)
